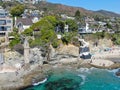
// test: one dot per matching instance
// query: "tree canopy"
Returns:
(46, 32)
(17, 10)
(72, 25)
(77, 15)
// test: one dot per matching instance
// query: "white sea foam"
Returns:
(93, 68)
(83, 78)
(43, 81)
(55, 66)
(83, 70)
(114, 70)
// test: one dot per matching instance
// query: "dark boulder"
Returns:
(118, 73)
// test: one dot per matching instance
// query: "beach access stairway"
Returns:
(84, 51)
(83, 42)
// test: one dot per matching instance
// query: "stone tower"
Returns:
(26, 51)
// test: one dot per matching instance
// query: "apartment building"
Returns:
(6, 23)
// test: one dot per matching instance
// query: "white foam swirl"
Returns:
(83, 78)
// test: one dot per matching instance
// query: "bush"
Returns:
(116, 39)
(67, 37)
(14, 41)
(28, 32)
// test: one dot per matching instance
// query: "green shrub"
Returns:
(28, 32)
(67, 37)
(15, 41)
(116, 39)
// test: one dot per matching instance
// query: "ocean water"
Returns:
(80, 79)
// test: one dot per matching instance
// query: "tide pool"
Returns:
(80, 79)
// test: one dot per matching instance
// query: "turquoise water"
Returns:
(81, 79)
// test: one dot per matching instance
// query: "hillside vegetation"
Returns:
(51, 8)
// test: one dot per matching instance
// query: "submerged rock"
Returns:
(62, 84)
(118, 73)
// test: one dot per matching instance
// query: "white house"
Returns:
(25, 22)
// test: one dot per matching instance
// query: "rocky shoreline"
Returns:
(66, 56)
(41, 72)
(70, 65)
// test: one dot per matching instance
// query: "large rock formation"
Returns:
(69, 50)
(36, 56)
(101, 45)
(13, 57)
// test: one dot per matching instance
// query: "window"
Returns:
(8, 21)
(8, 28)
(2, 28)
(2, 22)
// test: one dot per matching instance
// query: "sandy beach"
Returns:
(106, 58)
